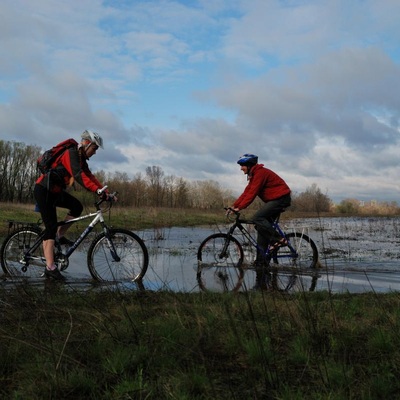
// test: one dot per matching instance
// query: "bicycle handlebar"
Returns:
(109, 197)
(230, 210)
(102, 190)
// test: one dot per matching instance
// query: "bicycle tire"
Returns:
(13, 250)
(216, 272)
(131, 249)
(295, 270)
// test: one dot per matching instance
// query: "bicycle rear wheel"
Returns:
(294, 267)
(133, 257)
(219, 260)
(13, 252)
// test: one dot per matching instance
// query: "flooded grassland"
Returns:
(356, 254)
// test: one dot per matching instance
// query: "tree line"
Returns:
(152, 188)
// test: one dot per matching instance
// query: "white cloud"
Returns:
(311, 86)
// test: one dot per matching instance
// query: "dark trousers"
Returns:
(264, 217)
(48, 202)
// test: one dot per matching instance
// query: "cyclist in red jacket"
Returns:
(50, 192)
(273, 191)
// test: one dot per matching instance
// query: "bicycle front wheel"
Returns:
(14, 260)
(129, 262)
(219, 263)
(295, 266)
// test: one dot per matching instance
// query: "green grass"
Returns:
(60, 343)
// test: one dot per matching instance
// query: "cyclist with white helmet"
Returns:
(89, 138)
(275, 194)
(50, 191)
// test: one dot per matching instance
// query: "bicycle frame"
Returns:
(238, 224)
(98, 218)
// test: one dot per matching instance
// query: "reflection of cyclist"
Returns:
(50, 192)
(275, 194)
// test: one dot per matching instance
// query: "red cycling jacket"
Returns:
(265, 184)
(71, 166)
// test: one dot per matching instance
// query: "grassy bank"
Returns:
(57, 342)
(144, 345)
(130, 218)
(135, 218)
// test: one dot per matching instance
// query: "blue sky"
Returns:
(312, 87)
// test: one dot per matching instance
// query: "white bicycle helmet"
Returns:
(93, 137)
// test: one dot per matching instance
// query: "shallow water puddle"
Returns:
(356, 255)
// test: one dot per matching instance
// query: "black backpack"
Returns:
(49, 157)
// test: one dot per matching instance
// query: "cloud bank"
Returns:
(310, 86)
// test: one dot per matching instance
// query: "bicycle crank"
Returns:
(61, 261)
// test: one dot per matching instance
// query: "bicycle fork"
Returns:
(224, 251)
(111, 246)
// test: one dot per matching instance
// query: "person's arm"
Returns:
(80, 171)
(250, 193)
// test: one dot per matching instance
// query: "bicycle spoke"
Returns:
(129, 263)
(220, 264)
(13, 251)
(294, 266)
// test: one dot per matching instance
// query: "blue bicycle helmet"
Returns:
(248, 159)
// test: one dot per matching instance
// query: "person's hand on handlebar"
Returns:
(105, 195)
(230, 210)
(112, 197)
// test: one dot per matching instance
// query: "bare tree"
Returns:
(5, 159)
(138, 191)
(121, 183)
(182, 194)
(311, 200)
(206, 194)
(17, 171)
(156, 190)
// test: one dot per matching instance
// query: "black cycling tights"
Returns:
(47, 203)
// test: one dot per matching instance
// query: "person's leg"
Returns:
(45, 201)
(48, 251)
(263, 220)
(75, 210)
(63, 228)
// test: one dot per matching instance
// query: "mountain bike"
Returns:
(226, 261)
(115, 254)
